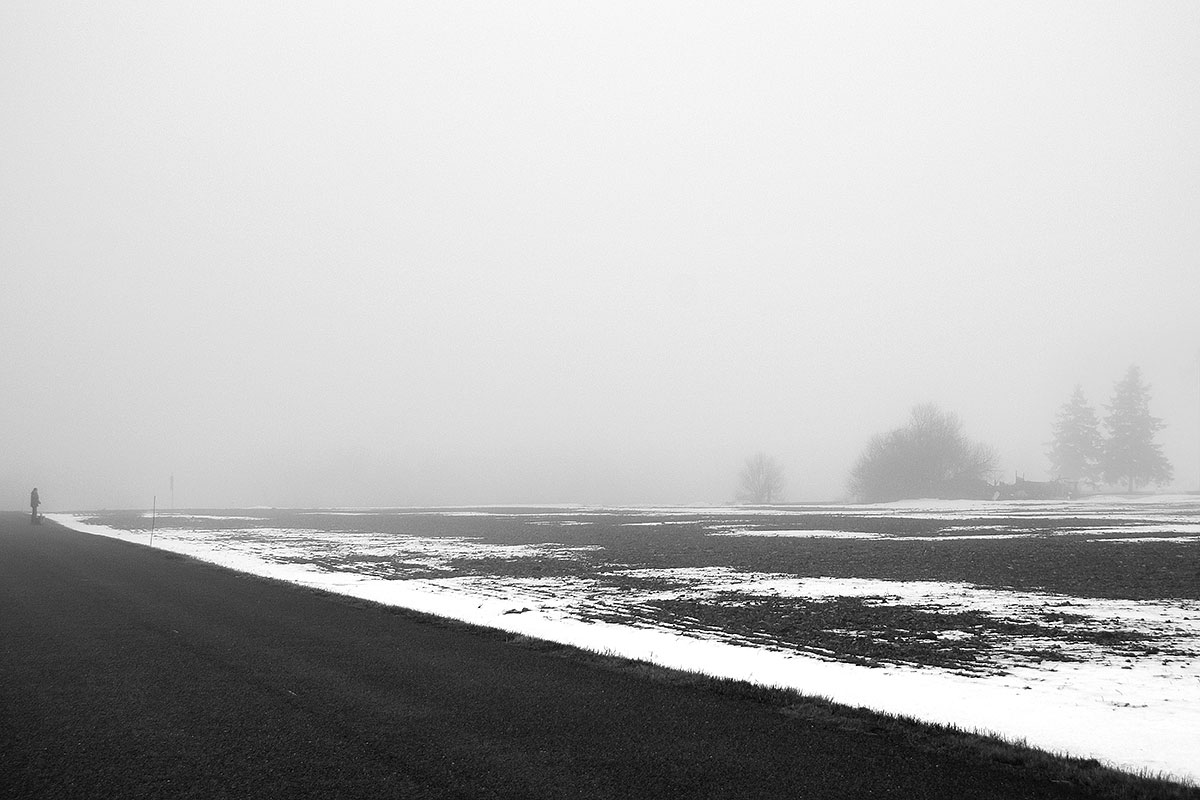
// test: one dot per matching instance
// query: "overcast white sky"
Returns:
(398, 253)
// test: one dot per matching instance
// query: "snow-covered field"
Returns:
(1113, 679)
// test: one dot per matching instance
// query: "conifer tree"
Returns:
(1130, 453)
(1076, 450)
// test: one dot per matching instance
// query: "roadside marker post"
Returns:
(153, 517)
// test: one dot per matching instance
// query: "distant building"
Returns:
(1021, 489)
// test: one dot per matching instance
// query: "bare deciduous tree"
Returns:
(761, 480)
(928, 457)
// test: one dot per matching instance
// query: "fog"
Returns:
(420, 253)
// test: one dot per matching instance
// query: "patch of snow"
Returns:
(177, 515)
(797, 534)
(1149, 540)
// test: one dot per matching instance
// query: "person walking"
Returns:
(34, 502)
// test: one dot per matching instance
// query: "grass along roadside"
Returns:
(1088, 775)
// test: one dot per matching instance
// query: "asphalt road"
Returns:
(127, 672)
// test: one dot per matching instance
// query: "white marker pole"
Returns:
(153, 516)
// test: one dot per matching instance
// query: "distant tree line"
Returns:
(1125, 453)
(931, 456)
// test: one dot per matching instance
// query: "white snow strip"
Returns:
(1151, 540)
(798, 534)
(182, 515)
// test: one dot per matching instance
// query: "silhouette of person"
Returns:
(34, 502)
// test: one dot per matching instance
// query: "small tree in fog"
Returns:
(928, 457)
(1077, 448)
(761, 480)
(1131, 455)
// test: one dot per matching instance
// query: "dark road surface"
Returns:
(128, 672)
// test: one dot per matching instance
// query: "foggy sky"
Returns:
(409, 253)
